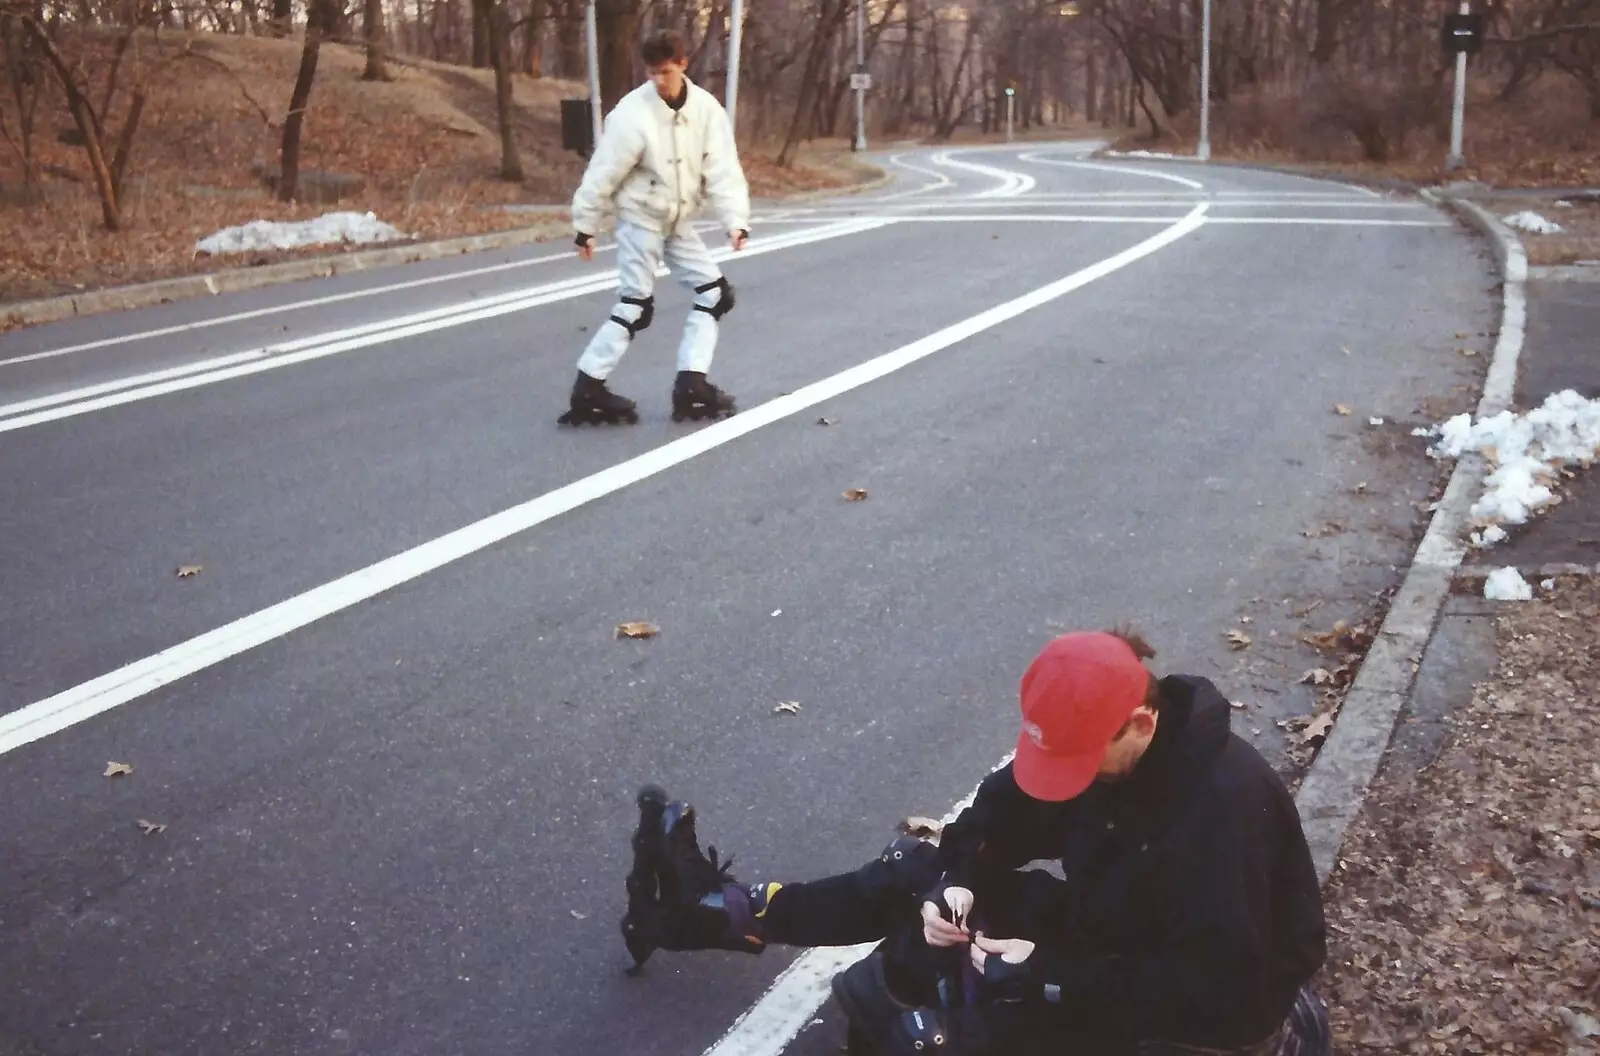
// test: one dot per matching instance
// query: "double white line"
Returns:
(129, 389)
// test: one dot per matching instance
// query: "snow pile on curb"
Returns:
(257, 235)
(1507, 584)
(1142, 154)
(1532, 222)
(1527, 452)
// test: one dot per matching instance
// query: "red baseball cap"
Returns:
(1076, 695)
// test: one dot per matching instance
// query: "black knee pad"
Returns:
(724, 303)
(907, 864)
(647, 312)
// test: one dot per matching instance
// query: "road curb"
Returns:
(233, 280)
(1335, 786)
(1477, 572)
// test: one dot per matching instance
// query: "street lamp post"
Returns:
(735, 42)
(594, 67)
(1202, 149)
(860, 78)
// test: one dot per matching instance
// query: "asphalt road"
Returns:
(397, 773)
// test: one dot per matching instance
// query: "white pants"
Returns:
(639, 253)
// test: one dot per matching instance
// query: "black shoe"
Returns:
(694, 397)
(884, 1017)
(592, 403)
(680, 898)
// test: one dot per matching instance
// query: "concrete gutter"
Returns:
(232, 280)
(1335, 786)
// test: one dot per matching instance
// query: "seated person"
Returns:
(1189, 921)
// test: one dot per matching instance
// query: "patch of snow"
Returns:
(1548, 584)
(1374, 421)
(1489, 536)
(1141, 154)
(1563, 204)
(1528, 452)
(1530, 221)
(329, 228)
(1507, 584)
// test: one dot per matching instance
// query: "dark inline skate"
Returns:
(594, 404)
(680, 898)
(694, 398)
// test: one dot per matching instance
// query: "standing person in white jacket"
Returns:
(667, 147)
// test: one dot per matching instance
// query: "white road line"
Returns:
(1012, 184)
(292, 306)
(940, 180)
(1175, 202)
(1097, 218)
(115, 688)
(1097, 167)
(768, 1026)
(68, 404)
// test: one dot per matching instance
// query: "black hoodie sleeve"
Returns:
(1214, 970)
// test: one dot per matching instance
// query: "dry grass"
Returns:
(1542, 138)
(1466, 909)
(1578, 239)
(424, 144)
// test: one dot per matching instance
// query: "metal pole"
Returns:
(735, 43)
(861, 67)
(594, 67)
(1458, 113)
(1202, 150)
(1011, 115)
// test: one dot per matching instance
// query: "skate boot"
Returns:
(693, 397)
(592, 403)
(888, 1014)
(680, 898)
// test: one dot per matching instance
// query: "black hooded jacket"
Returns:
(1191, 911)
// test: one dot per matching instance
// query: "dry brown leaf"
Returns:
(1317, 676)
(1238, 705)
(150, 828)
(1315, 730)
(118, 769)
(1342, 409)
(578, 916)
(787, 707)
(1237, 640)
(825, 421)
(637, 629)
(920, 827)
(855, 494)
(185, 571)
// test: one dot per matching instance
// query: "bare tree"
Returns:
(317, 17)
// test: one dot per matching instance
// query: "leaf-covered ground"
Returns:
(1465, 913)
(424, 144)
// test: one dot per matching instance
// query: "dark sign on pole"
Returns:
(577, 126)
(1462, 34)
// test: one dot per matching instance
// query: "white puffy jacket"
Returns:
(655, 166)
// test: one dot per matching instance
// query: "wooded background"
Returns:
(1305, 75)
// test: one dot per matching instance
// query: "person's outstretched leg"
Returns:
(638, 255)
(681, 898)
(693, 396)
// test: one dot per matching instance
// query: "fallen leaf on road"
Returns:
(1317, 676)
(150, 828)
(118, 769)
(920, 827)
(787, 707)
(578, 916)
(855, 494)
(1467, 351)
(1342, 409)
(185, 571)
(824, 421)
(1238, 705)
(637, 629)
(1237, 640)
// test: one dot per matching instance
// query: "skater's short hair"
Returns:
(1141, 648)
(663, 45)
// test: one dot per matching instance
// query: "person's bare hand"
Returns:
(936, 931)
(586, 251)
(1012, 951)
(737, 239)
